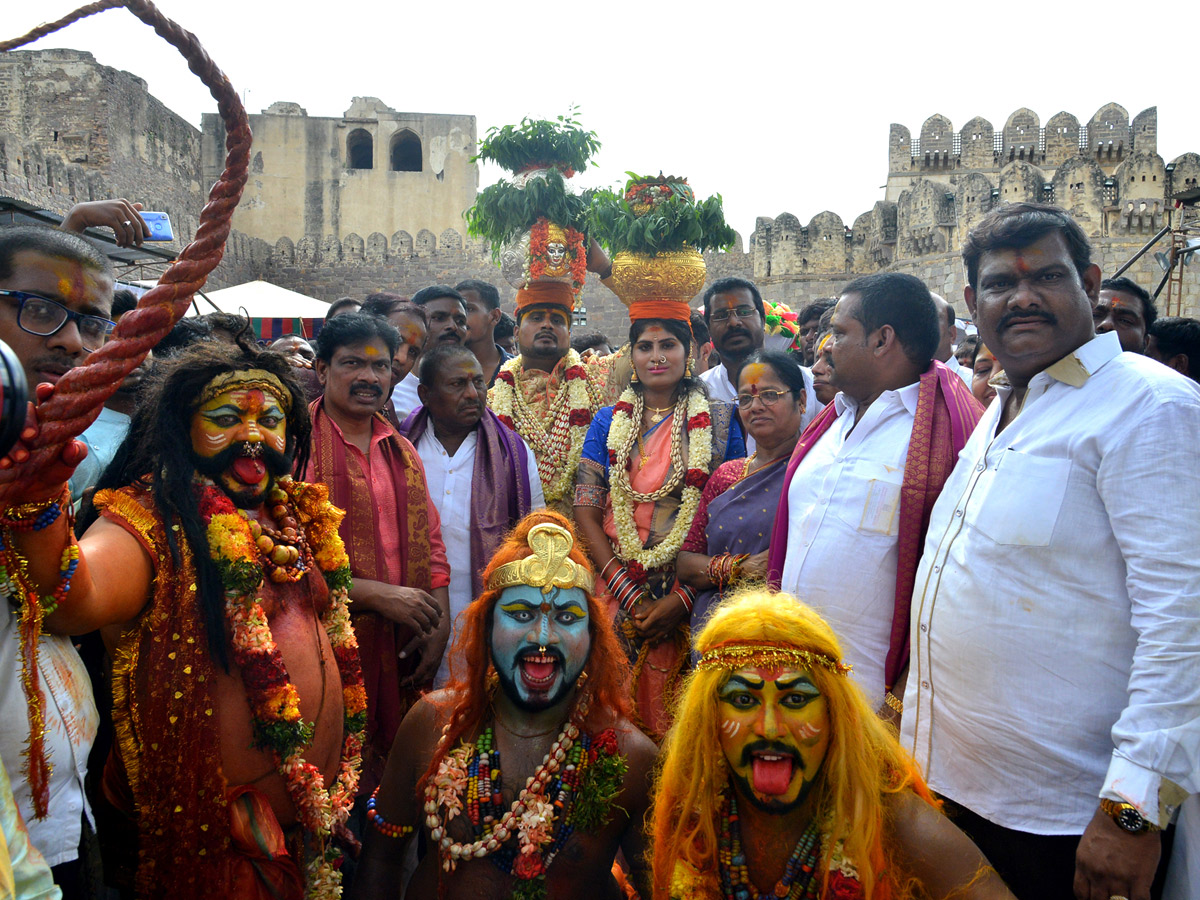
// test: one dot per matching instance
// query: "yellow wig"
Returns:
(864, 763)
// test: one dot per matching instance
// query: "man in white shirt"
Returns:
(854, 498)
(945, 350)
(733, 311)
(1055, 677)
(482, 476)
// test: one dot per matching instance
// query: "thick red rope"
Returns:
(80, 394)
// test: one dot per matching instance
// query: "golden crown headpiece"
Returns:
(247, 379)
(549, 567)
(738, 654)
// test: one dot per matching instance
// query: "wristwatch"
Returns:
(1127, 817)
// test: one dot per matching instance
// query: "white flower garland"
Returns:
(557, 443)
(627, 416)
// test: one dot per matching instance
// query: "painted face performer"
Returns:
(528, 774)
(778, 780)
(238, 699)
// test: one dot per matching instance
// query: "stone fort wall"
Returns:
(71, 130)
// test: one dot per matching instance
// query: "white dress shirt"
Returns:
(449, 481)
(721, 388)
(844, 525)
(957, 368)
(1055, 619)
(71, 723)
(404, 396)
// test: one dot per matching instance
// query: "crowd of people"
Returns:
(897, 612)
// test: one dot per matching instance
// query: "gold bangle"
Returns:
(893, 702)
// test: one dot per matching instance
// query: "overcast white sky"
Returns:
(778, 106)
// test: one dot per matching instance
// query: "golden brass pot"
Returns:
(676, 275)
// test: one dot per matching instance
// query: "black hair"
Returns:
(339, 304)
(1017, 225)
(355, 328)
(382, 303)
(784, 366)
(238, 326)
(436, 292)
(487, 292)
(815, 310)
(123, 301)
(1175, 335)
(903, 302)
(157, 454)
(186, 332)
(680, 330)
(1133, 289)
(432, 361)
(581, 342)
(724, 286)
(49, 242)
(505, 328)
(699, 328)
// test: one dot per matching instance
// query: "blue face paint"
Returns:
(539, 643)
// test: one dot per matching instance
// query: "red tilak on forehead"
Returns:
(1023, 266)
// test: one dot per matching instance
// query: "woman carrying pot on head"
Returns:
(645, 462)
(727, 545)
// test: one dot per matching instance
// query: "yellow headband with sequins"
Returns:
(247, 379)
(549, 567)
(732, 655)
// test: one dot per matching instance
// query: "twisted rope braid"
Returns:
(81, 392)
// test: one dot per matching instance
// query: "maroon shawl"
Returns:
(379, 640)
(501, 495)
(946, 416)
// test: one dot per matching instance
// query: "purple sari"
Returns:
(740, 519)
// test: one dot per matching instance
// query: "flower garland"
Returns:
(574, 787)
(556, 435)
(691, 409)
(274, 702)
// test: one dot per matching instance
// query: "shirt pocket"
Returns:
(1022, 504)
(868, 497)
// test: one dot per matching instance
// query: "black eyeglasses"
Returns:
(43, 317)
(769, 398)
(742, 312)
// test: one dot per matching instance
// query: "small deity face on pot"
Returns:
(556, 254)
(539, 644)
(239, 439)
(774, 733)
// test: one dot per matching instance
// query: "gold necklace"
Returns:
(657, 414)
(750, 459)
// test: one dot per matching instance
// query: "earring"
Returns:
(634, 379)
(690, 368)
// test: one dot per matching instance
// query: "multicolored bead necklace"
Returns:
(798, 881)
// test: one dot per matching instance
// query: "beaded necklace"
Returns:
(798, 881)
(574, 788)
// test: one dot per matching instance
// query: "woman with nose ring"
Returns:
(645, 462)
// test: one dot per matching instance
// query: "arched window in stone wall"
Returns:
(406, 152)
(360, 149)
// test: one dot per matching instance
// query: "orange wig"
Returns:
(469, 697)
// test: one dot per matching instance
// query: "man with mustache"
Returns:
(1054, 693)
(56, 295)
(864, 475)
(482, 475)
(235, 676)
(545, 393)
(777, 780)
(392, 530)
(524, 776)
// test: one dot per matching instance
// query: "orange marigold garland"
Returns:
(274, 703)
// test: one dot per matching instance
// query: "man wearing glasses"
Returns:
(858, 489)
(56, 294)
(733, 311)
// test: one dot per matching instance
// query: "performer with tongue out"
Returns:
(525, 773)
(778, 780)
